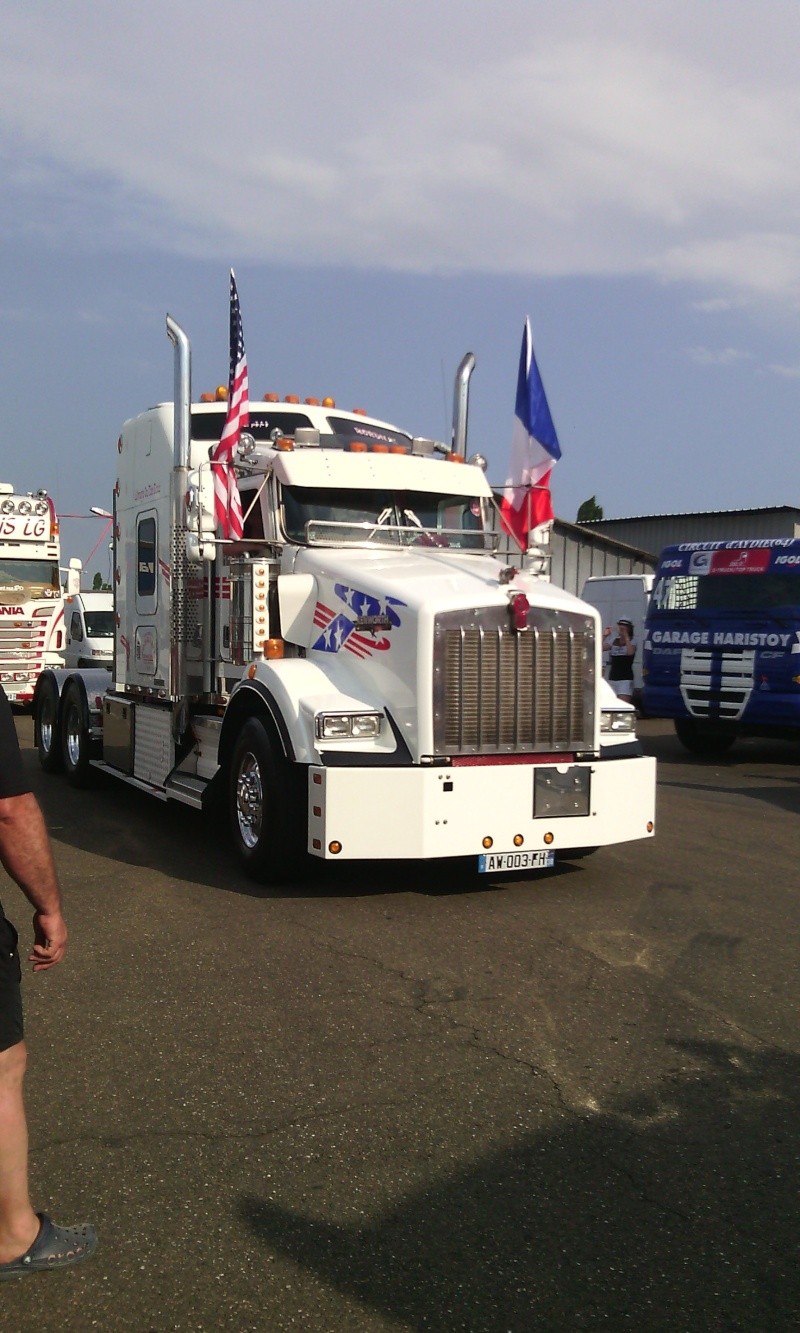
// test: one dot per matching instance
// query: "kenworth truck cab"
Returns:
(358, 677)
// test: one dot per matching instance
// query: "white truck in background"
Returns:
(89, 629)
(31, 602)
(358, 677)
(622, 597)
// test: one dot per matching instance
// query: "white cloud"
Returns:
(724, 356)
(589, 138)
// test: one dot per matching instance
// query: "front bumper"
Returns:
(411, 813)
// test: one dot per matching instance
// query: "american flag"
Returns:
(227, 503)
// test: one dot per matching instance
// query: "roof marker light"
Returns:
(221, 393)
(291, 398)
(356, 447)
(329, 402)
(271, 398)
(311, 402)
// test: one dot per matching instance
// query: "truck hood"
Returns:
(371, 614)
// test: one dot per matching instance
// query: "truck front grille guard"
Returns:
(497, 691)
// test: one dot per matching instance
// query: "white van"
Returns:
(89, 626)
(622, 597)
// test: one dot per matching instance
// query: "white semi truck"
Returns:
(31, 600)
(358, 677)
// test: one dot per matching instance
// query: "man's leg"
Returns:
(19, 1224)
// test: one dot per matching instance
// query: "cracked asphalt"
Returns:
(395, 1098)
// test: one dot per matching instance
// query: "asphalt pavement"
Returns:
(401, 1097)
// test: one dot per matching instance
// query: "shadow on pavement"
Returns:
(676, 1213)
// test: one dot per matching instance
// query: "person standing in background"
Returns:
(621, 652)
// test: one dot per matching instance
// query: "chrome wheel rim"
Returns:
(73, 736)
(249, 801)
(46, 726)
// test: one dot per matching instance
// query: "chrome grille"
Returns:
(499, 691)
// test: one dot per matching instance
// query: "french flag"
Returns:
(526, 499)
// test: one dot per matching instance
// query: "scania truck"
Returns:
(357, 677)
(31, 600)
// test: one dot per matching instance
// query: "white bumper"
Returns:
(409, 813)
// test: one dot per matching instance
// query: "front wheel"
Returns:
(75, 739)
(48, 740)
(267, 806)
(703, 738)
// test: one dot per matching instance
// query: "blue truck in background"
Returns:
(722, 641)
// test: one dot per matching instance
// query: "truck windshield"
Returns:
(99, 624)
(725, 592)
(321, 516)
(28, 581)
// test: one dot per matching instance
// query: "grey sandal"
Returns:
(54, 1247)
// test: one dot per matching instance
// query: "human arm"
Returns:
(27, 856)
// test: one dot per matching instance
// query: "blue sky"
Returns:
(396, 185)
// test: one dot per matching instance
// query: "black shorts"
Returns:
(10, 990)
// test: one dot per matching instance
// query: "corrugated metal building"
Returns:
(654, 532)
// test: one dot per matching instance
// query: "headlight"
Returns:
(618, 720)
(344, 726)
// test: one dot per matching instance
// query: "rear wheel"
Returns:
(703, 738)
(48, 740)
(75, 739)
(267, 803)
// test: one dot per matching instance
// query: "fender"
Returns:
(286, 692)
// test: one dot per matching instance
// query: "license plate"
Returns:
(490, 861)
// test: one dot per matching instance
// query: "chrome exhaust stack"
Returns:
(182, 400)
(461, 404)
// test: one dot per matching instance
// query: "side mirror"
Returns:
(201, 527)
(74, 577)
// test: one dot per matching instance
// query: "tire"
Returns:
(267, 804)
(75, 741)
(48, 734)
(703, 739)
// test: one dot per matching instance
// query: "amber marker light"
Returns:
(455, 458)
(291, 398)
(356, 447)
(650, 826)
(221, 393)
(273, 649)
(284, 445)
(251, 671)
(398, 449)
(380, 448)
(271, 398)
(311, 402)
(334, 848)
(208, 398)
(518, 839)
(548, 838)
(359, 411)
(329, 402)
(487, 843)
